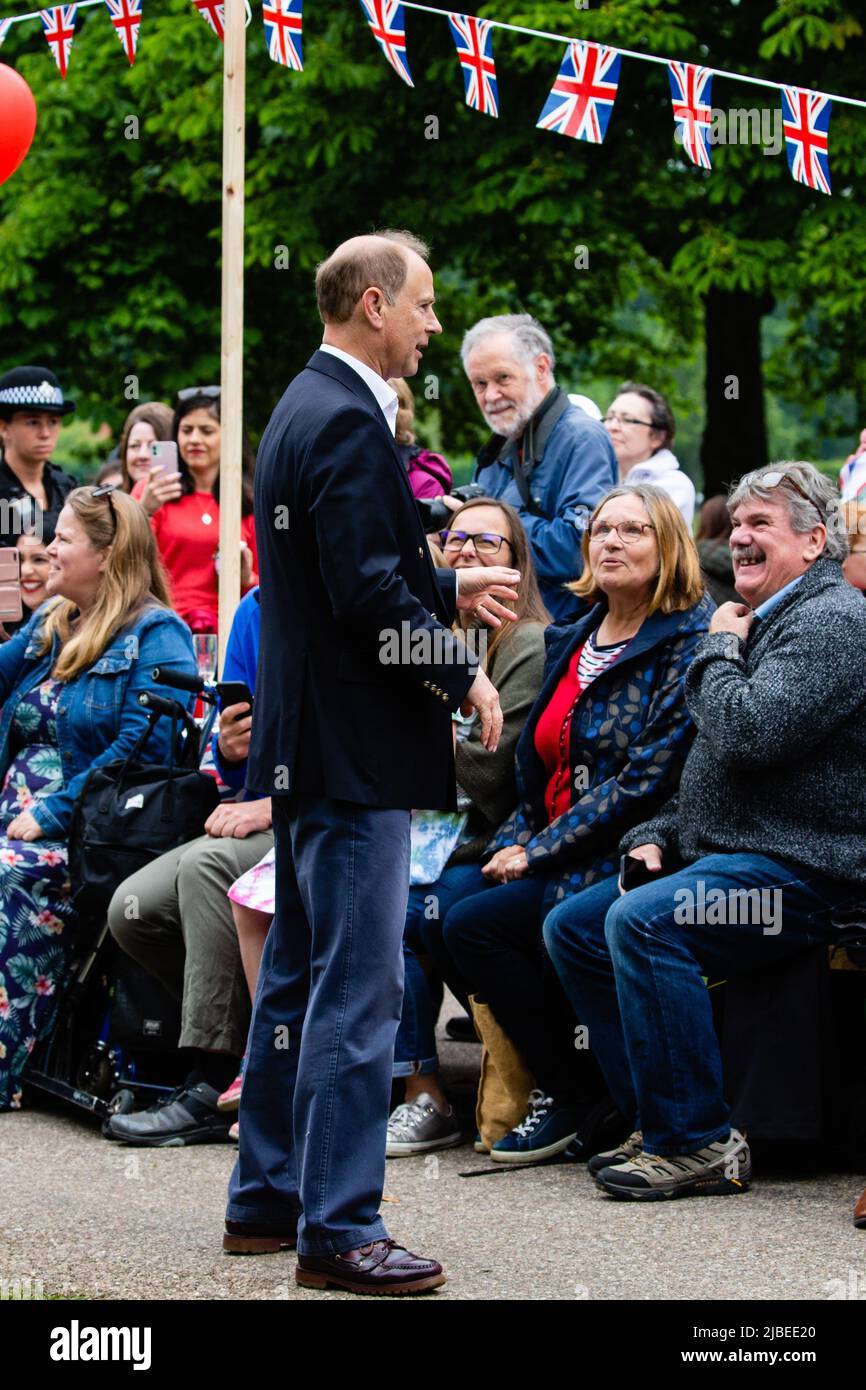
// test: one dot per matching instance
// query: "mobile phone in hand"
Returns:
(634, 872)
(11, 609)
(164, 453)
(234, 693)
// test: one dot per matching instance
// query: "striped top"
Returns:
(553, 730)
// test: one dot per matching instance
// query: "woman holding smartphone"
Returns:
(183, 505)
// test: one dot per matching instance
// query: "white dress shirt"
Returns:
(386, 396)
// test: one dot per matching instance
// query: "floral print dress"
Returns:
(36, 916)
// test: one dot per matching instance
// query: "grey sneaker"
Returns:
(719, 1170)
(611, 1158)
(417, 1126)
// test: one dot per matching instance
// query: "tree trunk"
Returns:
(735, 435)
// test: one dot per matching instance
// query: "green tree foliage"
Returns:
(109, 232)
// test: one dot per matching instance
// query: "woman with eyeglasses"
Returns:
(602, 747)
(641, 427)
(183, 506)
(69, 686)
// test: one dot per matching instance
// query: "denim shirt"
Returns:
(98, 714)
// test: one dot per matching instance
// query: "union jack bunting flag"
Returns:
(691, 89)
(806, 123)
(387, 22)
(283, 32)
(213, 12)
(581, 99)
(59, 26)
(474, 40)
(126, 17)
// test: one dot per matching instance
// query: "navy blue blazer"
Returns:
(358, 673)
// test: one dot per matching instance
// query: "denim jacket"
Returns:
(98, 714)
(630, 734)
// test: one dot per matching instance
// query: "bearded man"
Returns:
(547, 457)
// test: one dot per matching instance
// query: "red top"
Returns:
(551, 739)
(553, 730)
(187, 534)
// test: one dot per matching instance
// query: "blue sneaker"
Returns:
(547, 1130)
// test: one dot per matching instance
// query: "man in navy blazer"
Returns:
(346, 741)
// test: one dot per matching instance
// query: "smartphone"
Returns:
(634, 872)
(164, 453)
(234, 693)
(11, 609)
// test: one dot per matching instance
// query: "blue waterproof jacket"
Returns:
(577, 468)
(98, 714)
(630, 733)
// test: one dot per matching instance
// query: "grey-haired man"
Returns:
(769, 822)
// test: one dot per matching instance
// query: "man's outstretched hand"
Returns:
(479, 589)
(483, 697)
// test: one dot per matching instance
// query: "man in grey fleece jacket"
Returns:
(769, 822)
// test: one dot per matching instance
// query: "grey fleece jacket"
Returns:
(778, 766)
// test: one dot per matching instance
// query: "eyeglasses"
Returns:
(628, 531)
(613, 416)
(776, 477)
(485, 542)
(105, 490)
(189, 391)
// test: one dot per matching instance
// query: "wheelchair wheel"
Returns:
(95, 1072)
(121, 1102)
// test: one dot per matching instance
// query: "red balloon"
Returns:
(17, 120)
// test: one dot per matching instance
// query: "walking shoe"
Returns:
(547, 1130)
(629, 1148)
(188, 1116)
(417, 1126)
(249, 1238)
(478, 1144)
(719, 1170)
(381, 1267)
(235, 1132)
(230, 1100)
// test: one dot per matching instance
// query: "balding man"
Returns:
(346, 739)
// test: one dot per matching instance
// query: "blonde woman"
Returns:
(69, 686)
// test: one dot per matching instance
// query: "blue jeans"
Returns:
(632, 967)
(314, 1106)
(415, 1049)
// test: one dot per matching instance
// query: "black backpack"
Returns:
(128, 813)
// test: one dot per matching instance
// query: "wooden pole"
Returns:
(232, 353)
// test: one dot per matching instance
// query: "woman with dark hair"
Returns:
(184, 511)
(143, 426)
(714, 552)
(641, 426)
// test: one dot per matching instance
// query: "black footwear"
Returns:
(250, 1238)
(188, 1116)
(381, 1267)
(462, 1029)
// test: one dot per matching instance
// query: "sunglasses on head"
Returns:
(105, 490)
(189, 392)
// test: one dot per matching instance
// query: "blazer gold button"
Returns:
(421, 551)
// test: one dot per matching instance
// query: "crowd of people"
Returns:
(680, 697)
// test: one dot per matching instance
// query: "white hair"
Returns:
(529, 340)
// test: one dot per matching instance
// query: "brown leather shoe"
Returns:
(246, 1238)
(860, 1212)
(382, 1267)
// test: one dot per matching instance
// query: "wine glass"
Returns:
(205, 648)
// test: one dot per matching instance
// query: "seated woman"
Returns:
(604, 743)
(33, 570)
(483, 532)
(641, 427)
(185, 513)
(69, 686)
